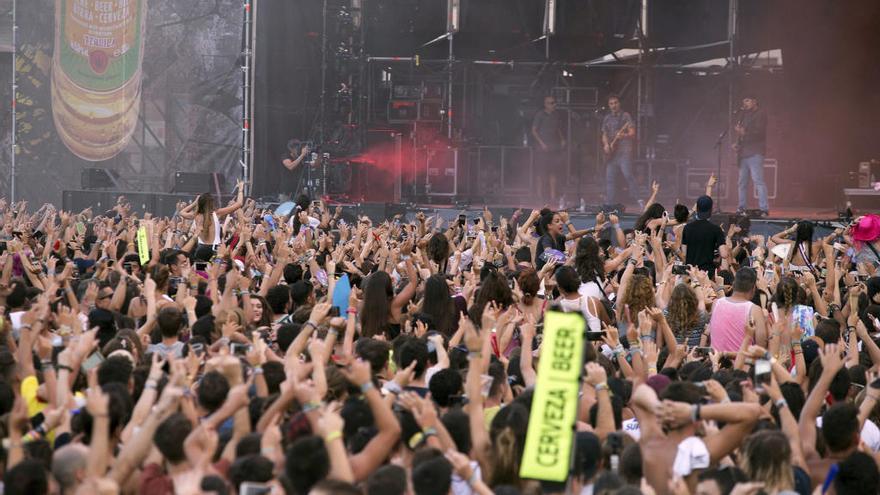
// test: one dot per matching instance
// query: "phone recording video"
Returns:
(762, 374)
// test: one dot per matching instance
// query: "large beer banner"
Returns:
(141, 87)
(96, 74)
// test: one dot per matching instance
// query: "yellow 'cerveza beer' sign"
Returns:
(547, 452)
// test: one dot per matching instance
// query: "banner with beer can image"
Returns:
(142, 87)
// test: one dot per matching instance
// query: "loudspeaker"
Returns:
(165, 204)
(140, 202)
(77, 201)
(198, 182)
(377, 212)
(98, 178)
(157, 204)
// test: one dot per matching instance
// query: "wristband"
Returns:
(312, 324)
(618, 349)
(352, 311)
(333, 435)
(427, 432)
(473, 478)
(601, 386)
(652, 370)
(60, 367)
(332, 331)
(46, 364)
(258, 370)
(366, 387)
(150, 385)
(635, 350)
(474, 354)
(695, 412)
(310, 406)
(781, 403)
(25, 325)
(392, 387)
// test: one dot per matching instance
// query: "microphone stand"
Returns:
(719, 148)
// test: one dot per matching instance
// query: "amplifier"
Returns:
(431, 110)
(401, 111)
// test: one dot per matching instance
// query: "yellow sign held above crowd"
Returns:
(547, 454)
(142, 245)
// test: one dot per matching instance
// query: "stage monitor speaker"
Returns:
(98, 178)
(198, 182)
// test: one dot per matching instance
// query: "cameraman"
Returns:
(297, 154)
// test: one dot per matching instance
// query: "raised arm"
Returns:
(832, 362)
(379, 447)
(238, 203)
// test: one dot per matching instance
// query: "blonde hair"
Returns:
(767, 458)
(640, 294)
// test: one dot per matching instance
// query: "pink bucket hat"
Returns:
(866, 229)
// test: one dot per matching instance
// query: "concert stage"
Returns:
(779, 220)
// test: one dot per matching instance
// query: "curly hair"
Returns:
(587, 261)
(682, 310)
(640, 294)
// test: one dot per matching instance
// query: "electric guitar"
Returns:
(612, 146)
(738, 143)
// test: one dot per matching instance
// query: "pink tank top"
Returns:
(728, 324)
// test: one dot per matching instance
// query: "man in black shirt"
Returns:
(750, 146)
(548, 142)
(701, 238)
(295, 161)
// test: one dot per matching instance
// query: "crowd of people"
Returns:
(227, 350)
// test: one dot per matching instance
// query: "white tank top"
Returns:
(216, 231)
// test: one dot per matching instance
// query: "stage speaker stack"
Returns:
(93, 179)
(198, 182)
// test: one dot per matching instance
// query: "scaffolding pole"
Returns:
(247, 94)
(14, 98)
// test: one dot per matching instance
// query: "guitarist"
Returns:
(750, 145)
(618, 137)
(548, 142)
